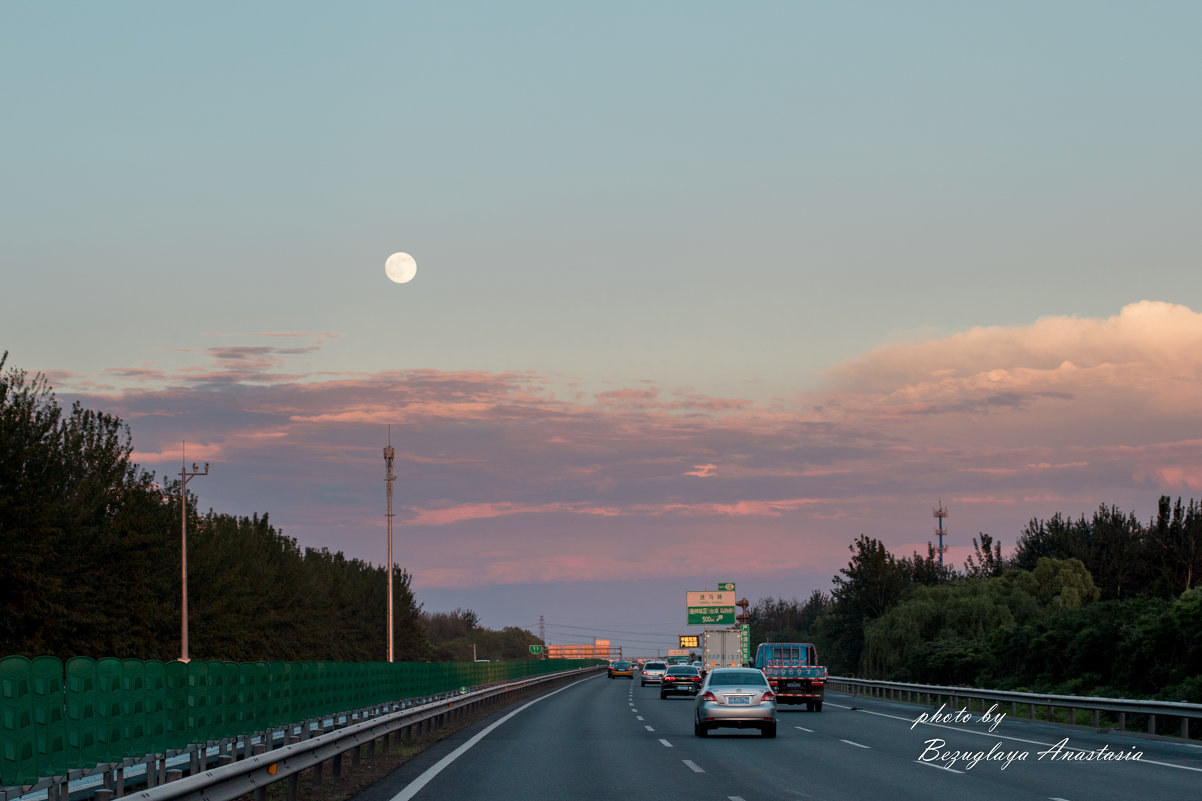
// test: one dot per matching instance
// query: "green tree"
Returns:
(986, 560)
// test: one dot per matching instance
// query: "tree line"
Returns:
(90, 560)
(1100, 605)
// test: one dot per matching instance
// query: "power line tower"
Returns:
(389, 454)
(940, 513)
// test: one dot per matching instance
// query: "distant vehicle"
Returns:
(700, 667)
(677, 660)
(621, 670)
(738, 698)
(653, 673)
(724, 648)
(793, 672)
(680, 679)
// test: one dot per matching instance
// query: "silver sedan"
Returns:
(739, 698)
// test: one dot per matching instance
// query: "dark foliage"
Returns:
(90, 558)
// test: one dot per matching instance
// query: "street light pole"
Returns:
(389, 454)
(184, 475)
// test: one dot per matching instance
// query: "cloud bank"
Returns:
(518, 477)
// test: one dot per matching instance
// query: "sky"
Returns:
(704, 290)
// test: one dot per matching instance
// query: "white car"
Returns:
(739, 698)
(652, 673)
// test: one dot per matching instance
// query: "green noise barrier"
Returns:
(56, 717)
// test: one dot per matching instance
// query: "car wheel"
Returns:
(809, 706)
(818, 707)
(663, 695)
(768, 730)
(699, 728)
(643, 683)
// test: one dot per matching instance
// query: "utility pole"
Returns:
(184, 476)
(388, 479)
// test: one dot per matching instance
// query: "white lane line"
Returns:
(987, 733)
(666, 743)
(1054, 798)
(648, 728)
(415, 786)
(693, 766)
(803, 728)
(940, 767)
(734, 798)
(857, 745)
(633, 710)
(638, 717)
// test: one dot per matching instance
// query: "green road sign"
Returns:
(536, 649)
(710, 615)
(726, 586)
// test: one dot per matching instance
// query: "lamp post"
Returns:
(184, 475)
(389, 455)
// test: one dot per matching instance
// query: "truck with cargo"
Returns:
(723, 648)
(793, 671)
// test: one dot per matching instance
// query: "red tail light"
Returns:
(708, 696)
(768, 696)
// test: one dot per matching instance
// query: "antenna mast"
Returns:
(939, 514)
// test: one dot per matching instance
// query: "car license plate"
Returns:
(738, 699)
(792, 685)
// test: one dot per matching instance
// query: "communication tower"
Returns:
(940, 513)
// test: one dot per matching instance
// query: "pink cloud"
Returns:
(1006, 423)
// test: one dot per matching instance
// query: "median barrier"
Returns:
(86, 716)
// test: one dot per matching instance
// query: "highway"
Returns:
(602, 738)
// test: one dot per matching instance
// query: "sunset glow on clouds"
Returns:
(515, 477)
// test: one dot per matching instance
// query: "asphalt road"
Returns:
(612, 739)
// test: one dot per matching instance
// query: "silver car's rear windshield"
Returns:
(729, 678)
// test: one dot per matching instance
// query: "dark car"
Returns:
(680, 680)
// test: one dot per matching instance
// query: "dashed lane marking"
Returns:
(803, 728)
(939, 767)
(693, 766)
(648, 728)
(666, 743)
(421, 781)
(857, 745)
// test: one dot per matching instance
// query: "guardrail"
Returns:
(253, 774)
(85, 730)
(248, 765)
(935, 695)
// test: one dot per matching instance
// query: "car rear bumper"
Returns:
(723, 715)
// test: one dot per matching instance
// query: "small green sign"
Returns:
(726, 586)
(536, 649)
(710, 615)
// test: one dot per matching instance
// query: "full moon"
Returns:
(400, 267)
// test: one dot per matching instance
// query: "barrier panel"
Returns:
(56, 717)
(16, 720)
(82, 724)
